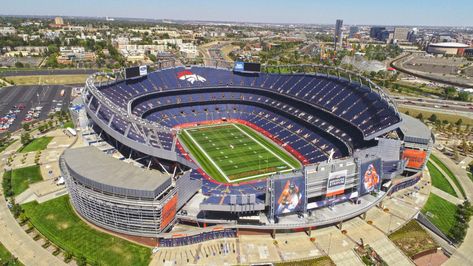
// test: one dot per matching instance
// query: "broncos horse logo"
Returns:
(190, 77)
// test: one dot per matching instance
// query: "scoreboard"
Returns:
(247, 67)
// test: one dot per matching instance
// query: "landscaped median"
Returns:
(18, 180)
(449, 218)
(449, 173)
(439, 180)
(57, 221)
(38, 144)
(412, 239)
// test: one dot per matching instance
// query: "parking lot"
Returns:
(17, 103)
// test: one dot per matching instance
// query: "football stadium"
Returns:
(227, 150)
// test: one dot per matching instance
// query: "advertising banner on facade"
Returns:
(289, 195)
(168, 212)
(370, 176)
(336, 183)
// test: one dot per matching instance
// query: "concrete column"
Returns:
(340, 225)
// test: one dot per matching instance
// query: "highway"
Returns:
(38, 72)
(436, 104)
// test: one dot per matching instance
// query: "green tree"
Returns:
(449, 92)
(420, 116)
(433, 118)
(25, 138)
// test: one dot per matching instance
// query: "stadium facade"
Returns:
(354, 147)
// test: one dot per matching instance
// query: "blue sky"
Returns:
(391, 12)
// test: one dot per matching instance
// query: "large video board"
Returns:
(370, 176)
(416, 158)
(289, 195)
(134, 72)
(246, 67)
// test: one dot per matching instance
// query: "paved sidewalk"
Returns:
(444, 195)
(14, 238)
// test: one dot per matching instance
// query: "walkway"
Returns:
(444, 195)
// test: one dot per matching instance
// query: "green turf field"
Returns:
(234, 153)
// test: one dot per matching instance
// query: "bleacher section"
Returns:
(356, 104)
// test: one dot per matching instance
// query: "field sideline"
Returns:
(234, 153)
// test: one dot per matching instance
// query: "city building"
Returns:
(400, 34)
(337, 39)
(376, 31)
(58, 21)
(353, 30)
(7, 31)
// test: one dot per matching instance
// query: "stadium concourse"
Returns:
(229, 150)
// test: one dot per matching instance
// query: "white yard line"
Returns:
(208, 157)
(255, 176)
(266, 148)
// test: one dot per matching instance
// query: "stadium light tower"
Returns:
(337, 38)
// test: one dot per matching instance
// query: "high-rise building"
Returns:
(337, 40)
(58, 21)
(400, 34)
(375, 32)
(353, 30)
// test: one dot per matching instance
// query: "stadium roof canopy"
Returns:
(449, 45)
(103, 172)
(414, 129)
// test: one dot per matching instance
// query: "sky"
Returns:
(361, 12)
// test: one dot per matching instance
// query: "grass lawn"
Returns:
(47, 79)
(439, 181)
(449, 173)
(320, 261)
(56, 220)
(470, 175)
(235, 153)
(38, 144)
(6, 258)
(440, 212)
(68, 124)
(23, 177)
(412, 239)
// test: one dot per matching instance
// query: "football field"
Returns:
(234, 153)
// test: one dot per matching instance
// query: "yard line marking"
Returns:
(266, 148)
(208, 157)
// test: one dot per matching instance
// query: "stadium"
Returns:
(224, 150)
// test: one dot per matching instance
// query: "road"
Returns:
(212, 53)
(37, 72)
(437, 104)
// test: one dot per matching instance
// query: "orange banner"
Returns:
(168, 212)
